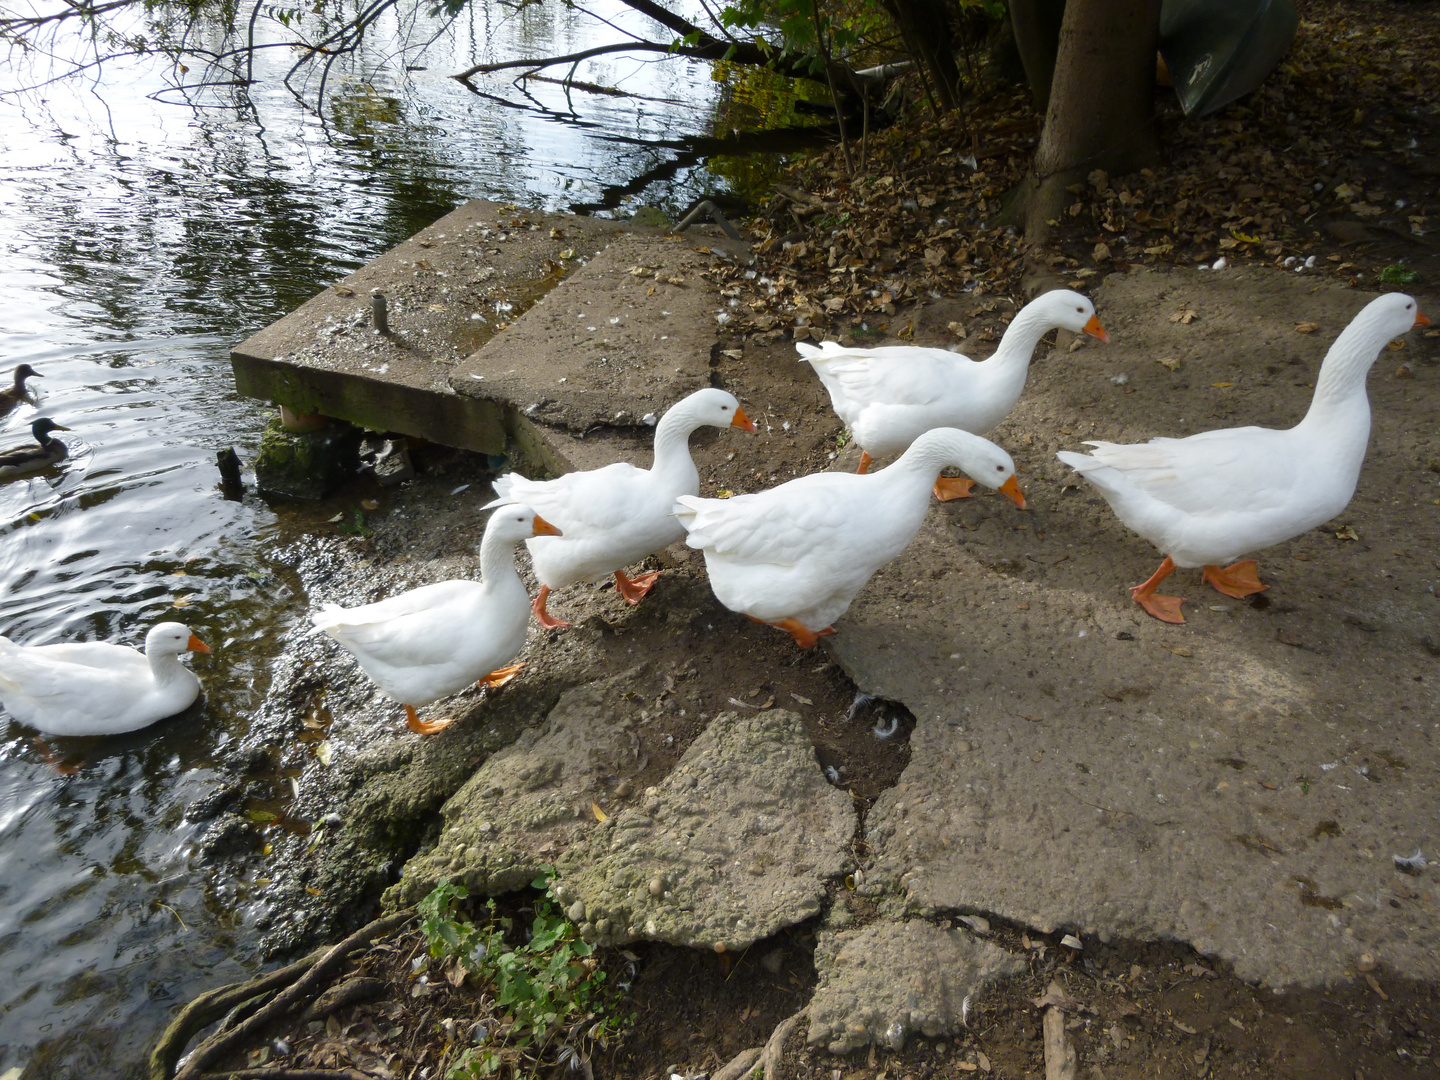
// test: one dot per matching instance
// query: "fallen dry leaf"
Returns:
(1307, 327)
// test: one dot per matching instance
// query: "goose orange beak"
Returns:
(1095, 330)
(1420, 319)
(743, 422)
(544, 528)
(1011, 490)
(196, 645)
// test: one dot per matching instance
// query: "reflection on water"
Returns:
(138, 242)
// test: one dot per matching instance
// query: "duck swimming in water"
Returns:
(31, 458)
(17, 393)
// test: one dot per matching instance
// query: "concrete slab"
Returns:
(448, 289)
(480, 355)
(630, 334)
(1241, 783)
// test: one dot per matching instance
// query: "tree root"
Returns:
(775, 1048)
(289, 1074)
(767, 1056)
(226, 1001)
(740, 1065)
(346, 993)
(298, 984)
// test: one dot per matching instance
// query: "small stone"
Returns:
(576, 912)
(657, 887)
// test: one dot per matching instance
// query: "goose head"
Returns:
(172, 639)
(980, 459)
(1071, 311)
(512, 524)
(1393, 314)
(714, 408)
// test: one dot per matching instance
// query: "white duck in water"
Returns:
(1209, 498)
(95, 688)
(431, 642)
(889, 395)
(796, 555)
(617, 515)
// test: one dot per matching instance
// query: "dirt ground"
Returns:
(1141, 1008)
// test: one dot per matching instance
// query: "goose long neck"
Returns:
(1340, 386)
(921, 464)
(672, 446)
(497, 560)
(165, 667)
(1018, 343)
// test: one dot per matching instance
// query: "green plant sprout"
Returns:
(549, 991)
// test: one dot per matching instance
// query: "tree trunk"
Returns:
(1102, 110)
(1037, 36)
(929, 37)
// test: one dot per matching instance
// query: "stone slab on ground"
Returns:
(1239, 783)
(735, 844)
(528, 803)
(890, 980)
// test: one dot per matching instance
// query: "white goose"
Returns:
(95, 688)
(1211, 497)
(796, 555)
(617, 515)
(890, 395)
(434, 641)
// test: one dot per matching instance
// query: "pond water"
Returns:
(141, 239)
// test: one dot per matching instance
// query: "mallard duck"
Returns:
(795, 556)
(17, 393)
(1209, 498)
(95, 688)
(31, 458)
(890, 395)
(431, 642)
(617, 515)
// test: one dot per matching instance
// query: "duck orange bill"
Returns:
(196, 645)
(544, 528)
(1420, 319)
(1095, 330)
(1011, 490)
(743, 421)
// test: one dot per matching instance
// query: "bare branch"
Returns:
(551, 61)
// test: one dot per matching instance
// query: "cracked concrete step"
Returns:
(507, 328)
